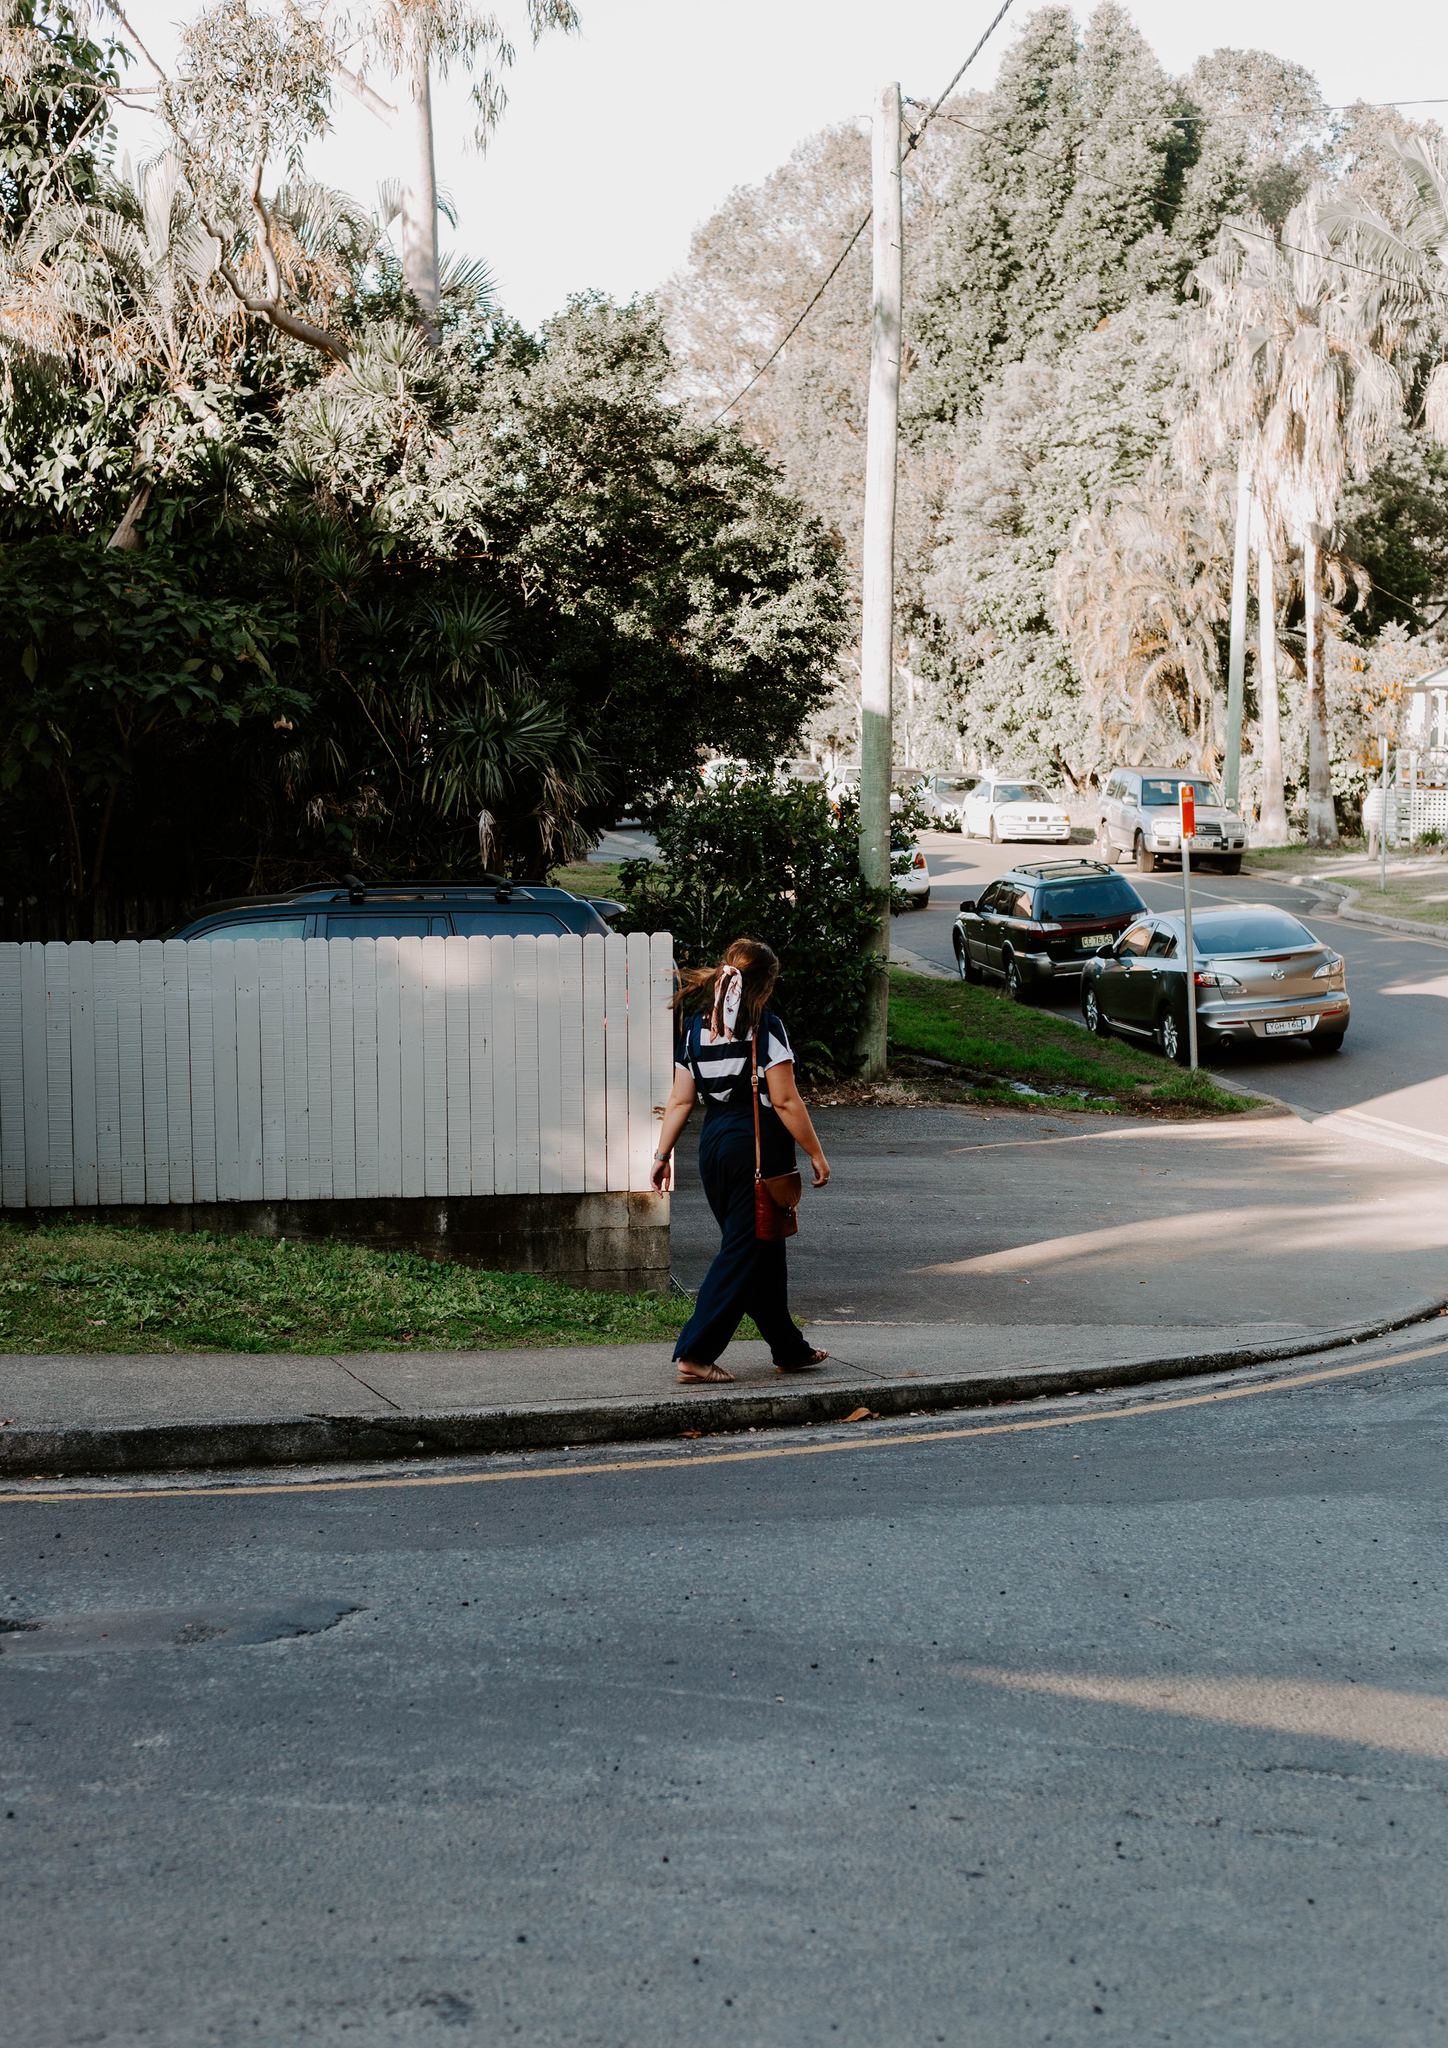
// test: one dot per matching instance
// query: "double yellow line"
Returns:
(903, 1440)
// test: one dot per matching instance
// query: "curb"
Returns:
(316, 1439)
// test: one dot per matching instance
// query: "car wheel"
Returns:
(1326, 1041)
(1092, 1011)
(962, 958)
(1145, 858)
(1232, 866)
(1172, 1039)
(1105, 851)
(994, 838)
(1015, 986)
(922, 901)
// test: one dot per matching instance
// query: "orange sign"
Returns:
(1188, 797)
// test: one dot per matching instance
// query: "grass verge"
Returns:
(89, 1287)
(996, 1042)
(1417, 877)
(598, 878)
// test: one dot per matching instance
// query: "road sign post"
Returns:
(1187, 794)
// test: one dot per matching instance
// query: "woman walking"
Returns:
(729, 1027)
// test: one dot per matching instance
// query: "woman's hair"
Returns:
(700, 990)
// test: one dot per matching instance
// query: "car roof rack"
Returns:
(1056, 868)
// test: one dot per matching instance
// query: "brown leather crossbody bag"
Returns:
(776, 1199)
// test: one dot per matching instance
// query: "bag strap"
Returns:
(754, 1079)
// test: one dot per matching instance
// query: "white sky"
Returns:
(618, 142)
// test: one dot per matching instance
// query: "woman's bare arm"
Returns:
(788, 1105)
(682, 1098)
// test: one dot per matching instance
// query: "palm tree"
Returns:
(1308, 371)
(1141, 589)
(1272, 825)
(1414, 257)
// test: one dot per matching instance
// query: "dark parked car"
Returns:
(1042, 922)
(396, 910)
(1259, 974)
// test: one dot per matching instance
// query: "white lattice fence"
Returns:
(270, 1070)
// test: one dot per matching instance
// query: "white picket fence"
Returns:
(270, 1070)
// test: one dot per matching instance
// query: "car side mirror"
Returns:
(967, 903)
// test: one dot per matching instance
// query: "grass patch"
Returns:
(89, 1287)
(1188, 1090)
(998, 1042)
(598, 878)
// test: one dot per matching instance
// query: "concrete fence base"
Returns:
(618, 1243)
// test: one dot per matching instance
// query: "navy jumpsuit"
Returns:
(748, 1277)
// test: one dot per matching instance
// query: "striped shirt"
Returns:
(718, 1069)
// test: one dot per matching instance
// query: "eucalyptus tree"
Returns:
(125, 295)
(405, 41)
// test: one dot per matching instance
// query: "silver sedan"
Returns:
(1259, 974)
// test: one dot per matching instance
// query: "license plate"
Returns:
(1278, 1027)
(1090, 941)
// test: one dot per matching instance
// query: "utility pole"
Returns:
(1237, 648)
(877, 626)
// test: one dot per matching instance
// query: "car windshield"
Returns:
(945, 787)
(1108, 897)
(1232, 932)
(1020, 793)
(1160, 790)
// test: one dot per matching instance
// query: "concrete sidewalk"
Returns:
(959, 1256)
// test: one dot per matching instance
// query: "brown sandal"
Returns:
(815, 1358)
(691, 1369)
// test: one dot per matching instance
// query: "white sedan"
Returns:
(998, 809)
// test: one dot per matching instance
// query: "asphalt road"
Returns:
(1395, 1060)
(1094, 1722)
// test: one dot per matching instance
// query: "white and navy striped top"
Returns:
(719, 1067)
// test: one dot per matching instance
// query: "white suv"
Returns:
(1141, 815)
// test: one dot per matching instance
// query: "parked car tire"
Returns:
(1145, 858)
(1232, 866)
(1173, 1039)
(920, 902)
(1016, 988)
(1326, 1041)
(994, 839)
(1095, 1016)
(1105, 851)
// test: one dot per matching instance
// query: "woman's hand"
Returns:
(681, 1100)
(821, 1167)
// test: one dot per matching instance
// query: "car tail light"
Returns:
(1209, 978)
(919, 861)
(1330, 966)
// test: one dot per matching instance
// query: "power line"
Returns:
(940, 102)
(838, 265)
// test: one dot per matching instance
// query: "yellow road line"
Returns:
(694, 1459)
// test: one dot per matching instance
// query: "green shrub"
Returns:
(742, 859)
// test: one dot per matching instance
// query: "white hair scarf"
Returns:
(728, 994)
